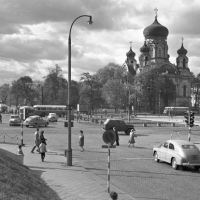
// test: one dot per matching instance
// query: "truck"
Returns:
(120, 125)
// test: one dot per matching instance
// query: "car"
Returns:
(35, 121)
(52, 117)
(120, 125)
(14, 120)
(178, 153)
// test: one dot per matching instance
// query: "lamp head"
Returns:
(90, 21)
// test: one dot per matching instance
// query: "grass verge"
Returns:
(18, 182)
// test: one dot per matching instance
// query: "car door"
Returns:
(163, 150)
(41, 121)
(170, 153)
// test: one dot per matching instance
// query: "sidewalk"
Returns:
(69, 182)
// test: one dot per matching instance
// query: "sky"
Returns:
(34, 34)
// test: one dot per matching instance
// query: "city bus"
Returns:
(3, 108)
(175, 110)
(43, 110)
(26, 111)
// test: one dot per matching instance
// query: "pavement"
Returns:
(69, 182)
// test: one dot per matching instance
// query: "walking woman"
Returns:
(81, 140)
(132, 138)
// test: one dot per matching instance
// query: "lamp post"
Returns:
(159, 102)
(69, 150)
(42, 93)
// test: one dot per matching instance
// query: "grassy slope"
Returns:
(18, 182)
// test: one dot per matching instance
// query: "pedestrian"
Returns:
(81, 140)
(117, 136)
(42, 149)
(37, 141)
(113, 195)
(19, 150)
(0, 117)
(42, 138)
(132, 138)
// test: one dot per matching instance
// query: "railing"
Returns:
(4, 137)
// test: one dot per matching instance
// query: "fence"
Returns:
(14, 137)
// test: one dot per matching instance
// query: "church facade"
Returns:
(155, 49)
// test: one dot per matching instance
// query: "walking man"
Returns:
(117, 136)
(37, 141)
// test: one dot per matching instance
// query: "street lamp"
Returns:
(42, 92)
(159, 102)
(69, 150)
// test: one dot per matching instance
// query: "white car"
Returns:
(178, 153)
(14, 120)
(52, 117)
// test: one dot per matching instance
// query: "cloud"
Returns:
(34, 34)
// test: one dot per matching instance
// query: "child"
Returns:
(113, 195)
(81, 140)
(42, 149)
(19, 150)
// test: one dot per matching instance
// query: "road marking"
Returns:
(139, 158)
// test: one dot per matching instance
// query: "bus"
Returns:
(43, 110)
(175, 110)
(26, 111)
(3, 108)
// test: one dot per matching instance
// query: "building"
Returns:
(155, 49)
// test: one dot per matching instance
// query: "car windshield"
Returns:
(189, 146)
(106, 121)
(13, 117)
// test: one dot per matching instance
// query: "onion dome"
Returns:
(155, 30)
(130, 53)
(182, 50)
(145, 48)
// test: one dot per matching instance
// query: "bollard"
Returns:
(171, 136)
(172, 124)
(4, 138)
(145, 125)
(158, 124)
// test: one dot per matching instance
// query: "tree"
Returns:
(151, 85)
(113, 92)
(5, 93)
(196, 89)
(55, 87)
(24, 91)
(90, 91)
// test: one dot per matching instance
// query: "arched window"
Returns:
(184, 63)
(159, 52)
(184, 91)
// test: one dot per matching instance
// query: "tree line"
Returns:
(110, 87)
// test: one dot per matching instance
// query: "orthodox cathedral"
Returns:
(155, 49)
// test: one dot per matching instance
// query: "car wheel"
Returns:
(27, 125)
(35, 125)
(10, 124)
(174, 164)
(156, 157)
(196, 168)
(46, 125)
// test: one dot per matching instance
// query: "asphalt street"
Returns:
(133, 170)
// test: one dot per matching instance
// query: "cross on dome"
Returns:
(130, 44)
(156, 10)
(182, 39)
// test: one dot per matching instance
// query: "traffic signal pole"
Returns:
(189, 133)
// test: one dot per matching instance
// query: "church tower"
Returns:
(156, 39)
(131, 61)
(145, 56)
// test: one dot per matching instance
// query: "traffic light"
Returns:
(191, 119)
(186, 115)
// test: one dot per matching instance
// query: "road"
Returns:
(133, 170)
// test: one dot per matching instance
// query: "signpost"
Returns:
(109, 137)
